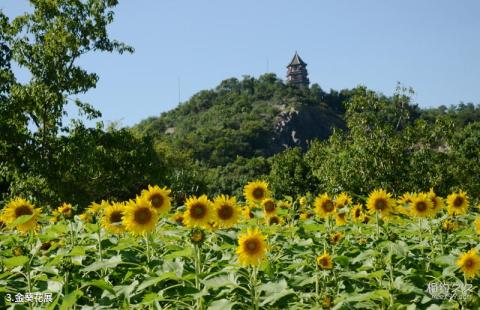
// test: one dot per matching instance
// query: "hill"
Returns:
(247, 118)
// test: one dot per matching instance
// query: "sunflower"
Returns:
(159, 198)
(324, 205)
(252, 247)
(86, 217)
(380, 201)
(66, 210)
(477, 225)
(112, 218)
(226, 211)
(303, 201)
(177, 218)
(342, 200)
(421, 206)
(284, 204)
(469, 263)
(437, 202)
(457, 203)
(404, 203)
(324, 261)
(139, 216)
(95, 208)
(199, 212)
(334, 238)
(356, 213)
(256, 191)
(340, 217)
(247, 213)
(305, 215)
(449, 225)
(197, 236)
(269, 207)
(17, 208)
(273, 220)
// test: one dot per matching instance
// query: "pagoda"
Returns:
(297, 72)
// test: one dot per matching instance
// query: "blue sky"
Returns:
(430, 45)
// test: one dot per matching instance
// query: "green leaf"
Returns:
(100, 283)
(152, 281)
(222, 304)
(22, 219)
(275, 291)
(71, 299)
(187, 252)
(15, 261)
(110, 263)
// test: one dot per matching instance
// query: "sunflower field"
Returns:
(417, 251)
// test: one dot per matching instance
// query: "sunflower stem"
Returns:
(147, 242)
(377, 219)
(253, 287)
(197, 261)
(317, 287)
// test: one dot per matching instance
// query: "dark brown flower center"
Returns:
(380, 204)
(458, 202)
(156, 200)
(328, 206)
(252, 246)
(225, 212)
(357, 213)
(469, 263)
(198, 211)
(274, 220)
(23, 210)
(421, 206)
(258, 193)
(269, 206)
(324, 262)
(142, 216)
(116, 217)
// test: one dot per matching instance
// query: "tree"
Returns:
(48, 43)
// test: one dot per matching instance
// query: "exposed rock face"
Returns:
(297, 127)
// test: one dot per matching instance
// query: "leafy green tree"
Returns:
(290, 175)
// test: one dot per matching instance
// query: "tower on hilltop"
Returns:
(297, 72)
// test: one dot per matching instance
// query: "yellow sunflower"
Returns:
(284, 204)
(198, 213)
(303, 201)
(477, 225)
(86, 217)
(324, 205)
(380, 201)
(324, 261)
(437, 202)
(252, 247)
(226, 211)
(340, 217)
(305, 215)
(247, 213)
(469, 263)
(66, 210)
(19, 207)
(457, 203)
(256, 191)
(159, 198)
(177, 218)
(139, 216)
(421, 206)
(356, 213)
(342, 200)
(449, 225)
(334, 238)
(112, 218)
(273, 220)
(269, 207)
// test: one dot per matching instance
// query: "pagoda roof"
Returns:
(296, 60)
